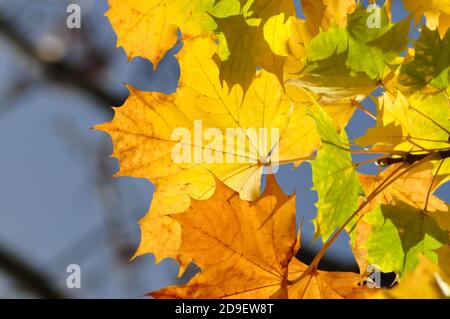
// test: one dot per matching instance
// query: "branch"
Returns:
(60, 71)
(27, 276)
(413, 158)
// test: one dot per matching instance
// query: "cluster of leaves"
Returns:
(254, 64)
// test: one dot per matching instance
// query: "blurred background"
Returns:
(59, 204)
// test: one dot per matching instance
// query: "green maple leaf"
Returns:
(350, 62)
(431, 64)
(334, 178)
(399, 234)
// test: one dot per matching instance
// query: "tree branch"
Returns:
(27, 276)
(413, 158)
(60, 71)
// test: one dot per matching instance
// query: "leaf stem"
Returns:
(365, 110)
(430, 190)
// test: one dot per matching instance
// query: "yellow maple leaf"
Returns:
(358, 236)
(144, 142)
(320, 14)
(425, 282)
(414, 123)
(249, 51)
(437, 13)
(326, 285)
(277, 32)
(414, 188)
(255, 39)
(246, 250)
(265, 9)
(149, 28)
(444, 261)
(336, 93)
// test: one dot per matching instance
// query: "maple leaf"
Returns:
(334, 178)
(249, 51)
(413, 126)
(243, 44)
(149, 28)
(326, 285)
(358, 236)
(411, 188)
(437, 13)
(416, 123)
(292, 41)
(277, 32)
(265, 9)
(444, 261)
(320, 15)
(431, 63)
(404, 219)
(253, 256)
(424, 282)
(142, 135)
(357, 47)
(345, 64)
(399, 233)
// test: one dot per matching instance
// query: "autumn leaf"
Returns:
(248, 257)
(247, 43)
(345, 64)
(424, 282)
(327, 285)
(404, 232)
(277, 33)
(253, 256)
(358, 236)
(265, 9)
(404, 220)
(339, 107)
(431, 63)
(411, 188)
(357, 48)
(411, 126)
(148, 28)
(417, 123)
(334, 178)
(222, 108)
(414, 188)
(143, 128)
(249, 51)
(321, 14)
(436, 12)
(444, 261)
